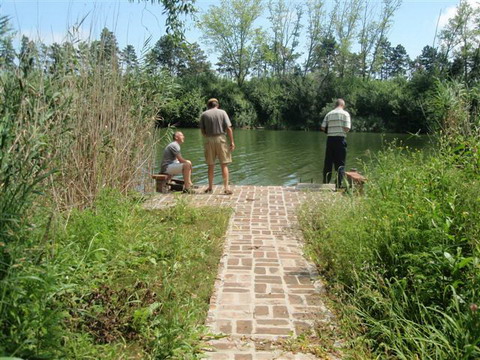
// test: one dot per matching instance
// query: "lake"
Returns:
(269, 157)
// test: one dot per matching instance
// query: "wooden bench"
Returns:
(164, 183)
(355, 179)
(161, 182)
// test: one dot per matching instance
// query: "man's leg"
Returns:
(210, 176)
(328, 163)
(187, 174)
(209, 152)
(225, 175)
(340, 156)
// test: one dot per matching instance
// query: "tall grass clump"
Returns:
(86, 275)
(113, 281)
(406, 255)
(105, 137)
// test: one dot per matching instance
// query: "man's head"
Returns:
(340, 103)
(179, 137)
(212, 103)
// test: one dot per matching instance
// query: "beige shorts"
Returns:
(217, 147)
(175, 168)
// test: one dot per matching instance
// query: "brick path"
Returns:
(265, 289)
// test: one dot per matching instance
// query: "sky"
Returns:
(141, 23)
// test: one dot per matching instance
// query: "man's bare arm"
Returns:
(230, 135)
(181, 159)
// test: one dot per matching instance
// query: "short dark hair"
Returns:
(339, 102)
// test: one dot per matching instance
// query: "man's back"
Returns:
(335, 121)
(214, 122)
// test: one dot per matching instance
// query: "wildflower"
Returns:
(474, 308)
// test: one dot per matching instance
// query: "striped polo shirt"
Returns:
(336, 120)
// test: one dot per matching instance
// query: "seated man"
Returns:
(173, 163)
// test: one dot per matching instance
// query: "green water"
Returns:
(268, 157)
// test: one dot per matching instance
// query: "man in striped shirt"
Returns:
(336, 124)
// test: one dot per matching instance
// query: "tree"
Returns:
(427, 60)
(128, 58)
(386, 15)
(178, 58)
(230, 29)
(167, 54)
(398, 61)
(28, 54)
(285, 25)
(61, 58)
(460, 38)
(105, 51)
(345, 16)
(174, 9)
(325, 55)
(196, 60)
(367, 37)
(7, 52)
(315, 31)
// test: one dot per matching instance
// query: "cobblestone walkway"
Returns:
(265, 289)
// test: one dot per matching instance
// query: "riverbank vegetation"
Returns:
(85, 272)
(405, 257)
(113, 281)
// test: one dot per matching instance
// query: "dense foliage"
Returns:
(406, 255)
(285, 75)
(85, 273)
(108, 280)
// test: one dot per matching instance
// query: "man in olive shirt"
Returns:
(215, 125)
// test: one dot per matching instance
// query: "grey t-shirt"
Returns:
(214, 122)
(170, 155)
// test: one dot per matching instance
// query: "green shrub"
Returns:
(407, 253)
(113, 278)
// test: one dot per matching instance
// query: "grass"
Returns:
(86, 272)
(114, 281)
(405, 258)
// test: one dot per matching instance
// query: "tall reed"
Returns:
(108, 131)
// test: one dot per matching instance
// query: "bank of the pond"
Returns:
(113, 281)
(405, 257)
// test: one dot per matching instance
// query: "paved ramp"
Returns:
(265, 290)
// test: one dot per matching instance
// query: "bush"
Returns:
(112, 278)
(407, 253)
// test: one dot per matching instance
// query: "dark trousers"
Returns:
(335, 155)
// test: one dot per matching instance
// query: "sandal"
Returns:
(208, 191)
(228, 192)
(188, 191)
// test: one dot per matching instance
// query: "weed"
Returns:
(406, 255)
(114, 278)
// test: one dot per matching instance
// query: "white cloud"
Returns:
(451, 11)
